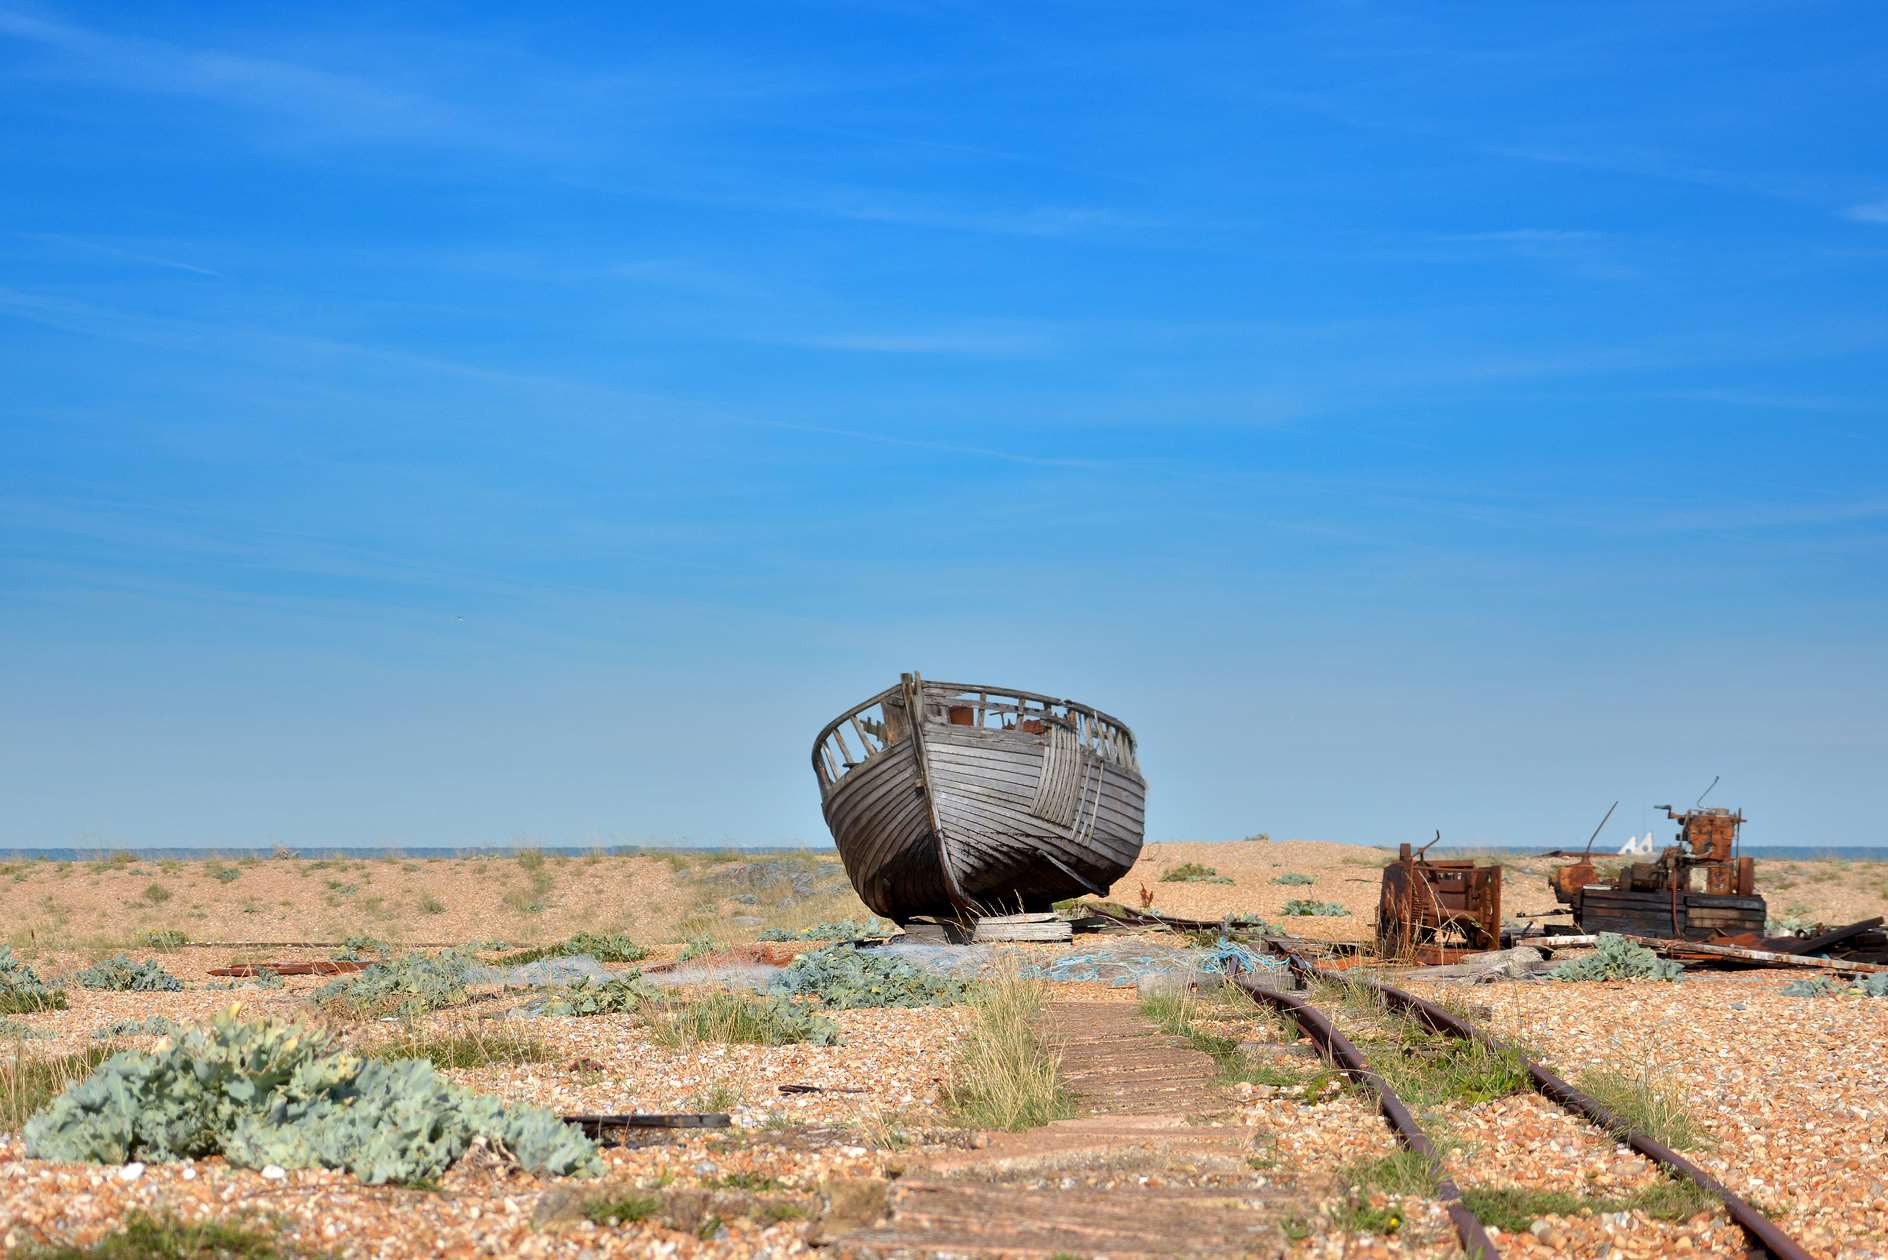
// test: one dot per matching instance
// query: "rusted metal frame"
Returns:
(1756, 1226)
(1343, 1052)
(1834, 936)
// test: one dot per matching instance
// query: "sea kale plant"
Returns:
(119, 974)
(611, 997)
(19, 1030)
(609, 947)
(149, 1026)
(21, 989)
(842, 930)
(1875, 985)
(1308, 906)
(1616, 958)
(844, 977)
(409, 985)
(363, 949)
(266, 1092)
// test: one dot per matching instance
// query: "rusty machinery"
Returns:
(1436, 911)
(1697, 889)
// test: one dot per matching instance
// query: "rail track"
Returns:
(1345, 1055)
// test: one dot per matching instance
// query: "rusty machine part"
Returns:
(1758, 1228)
(1698, 889)
(1437, 911)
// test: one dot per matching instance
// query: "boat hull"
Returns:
(1033, 801)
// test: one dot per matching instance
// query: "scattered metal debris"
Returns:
(609, 1129)
(1698, 889)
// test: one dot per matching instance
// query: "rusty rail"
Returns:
(1343, 1052)
(1759, 1228)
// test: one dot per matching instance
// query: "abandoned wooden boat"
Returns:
(964, 801)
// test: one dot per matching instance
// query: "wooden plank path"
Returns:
(1142, 1171)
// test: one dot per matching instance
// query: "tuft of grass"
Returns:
(1645, 1104)
(1398, 1173)
(1007, 1075)
(622, 1208)
(755, 1182)
(156, 894)
(466, 1046)
(29, 1082)
(1356, 1214)
(1193, 873)
(1372, 1200)
(1428, 1068)
(1178, 1015)
(1294, 879)
(719, 1096)
(1512, 1209)
(429, 904)
(148, 1237)
(534, 896)
(740, 1019)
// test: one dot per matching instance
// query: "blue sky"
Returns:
(481, 425)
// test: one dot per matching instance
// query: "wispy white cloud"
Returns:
(1771, 400)
(313, 97)
(1520, 236)
(925, 444)
(1868, 212)
(91, 246)
(1779, 515)
(943, 341)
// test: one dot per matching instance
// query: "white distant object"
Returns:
(1636, 846)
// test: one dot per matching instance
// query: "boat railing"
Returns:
(866, 730)
(856, 737)
(991, 709)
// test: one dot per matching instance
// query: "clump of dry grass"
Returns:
(1646, 1104)
(471, 1045)
(1008, 1074)
(28, 1082)
(739, 1019)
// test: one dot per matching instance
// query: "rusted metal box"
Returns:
(1437, 911)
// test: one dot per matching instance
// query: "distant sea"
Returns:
(1778, 852)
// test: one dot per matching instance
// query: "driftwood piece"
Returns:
(1519, 963)
(1021, 927)
(1702, 950)
(1764, 957)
